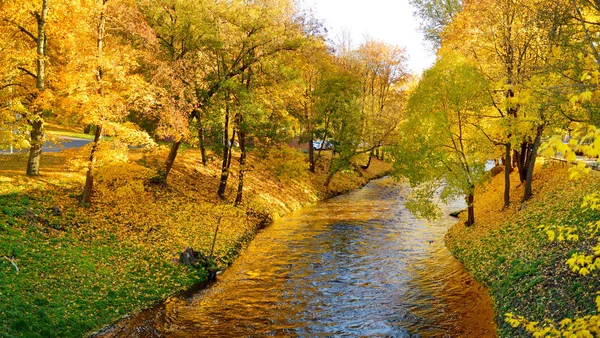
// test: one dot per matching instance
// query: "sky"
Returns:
(390, 21)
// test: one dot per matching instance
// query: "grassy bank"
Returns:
(506, 251)
(67, 270)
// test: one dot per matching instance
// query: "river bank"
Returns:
(357, 265)
(509, 252)
(68, 270)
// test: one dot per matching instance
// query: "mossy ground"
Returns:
(506, 251)
(84, 267)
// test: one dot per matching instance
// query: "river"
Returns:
(357, 265)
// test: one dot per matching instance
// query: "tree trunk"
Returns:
(521, 160)
(171, 158)
(230, 151)
(531, 162)
(242, 139)
(89, 178)
(35, 151)
(224, 163)
(328, 179)
(37, 121)
(470, 210)
(507, 168)
(365, 167)
(201, 144)
(311, 154)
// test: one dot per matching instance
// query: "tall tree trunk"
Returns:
(521, 157)
(507, 169)
(89, 178)
(37, 120)
(311, 154)
(35, 151)
(230, 151)
(328, 179)
(171, 159)
(224, 164)
(470, 210)
(531, 162)
(173, 154)
(242, 139)
(371, 154)
(201, 144)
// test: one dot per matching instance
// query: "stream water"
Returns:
(357, 265)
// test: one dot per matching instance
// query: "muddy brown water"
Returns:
(357, 265)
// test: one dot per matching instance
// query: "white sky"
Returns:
(390, 21)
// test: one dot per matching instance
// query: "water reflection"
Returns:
(355, 265)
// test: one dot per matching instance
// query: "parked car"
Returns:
(322, 145)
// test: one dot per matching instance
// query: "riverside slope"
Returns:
(527, 274)
(82, 268)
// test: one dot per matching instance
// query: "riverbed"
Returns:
(355, 265)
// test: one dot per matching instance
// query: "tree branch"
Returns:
(27, 72)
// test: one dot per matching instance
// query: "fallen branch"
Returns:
(12, 261)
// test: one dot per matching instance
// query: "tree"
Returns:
(101, 81)
(383, 72)
(441, 149)
(27, 22)
(310, 63)
(338, 96)
(183, 28)
(258, 32)
(435, 16)
(502, 37)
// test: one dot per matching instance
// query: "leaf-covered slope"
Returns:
(508, 252)
(81, 268)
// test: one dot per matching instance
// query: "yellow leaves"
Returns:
(582, 97)
(571, 157)
(591, 201)
(581, 327)
(551, 235)
(555, 147)
(560, 233)
(582, 264)
(565, 322)
(578, 171)
(585, 96)
(573, 100)
(513, 320)
(531, 326)
(572, 142)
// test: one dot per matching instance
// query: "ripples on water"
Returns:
(355, 265)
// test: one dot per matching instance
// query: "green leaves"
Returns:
(442, 146)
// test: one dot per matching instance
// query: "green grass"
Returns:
(525, 273)
(67, 285)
